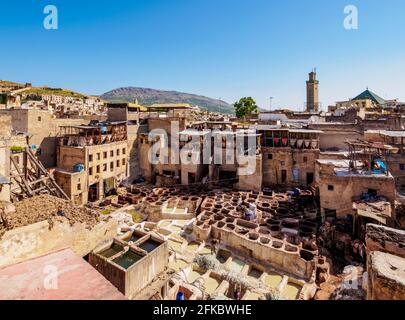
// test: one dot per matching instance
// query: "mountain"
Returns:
(148, 97)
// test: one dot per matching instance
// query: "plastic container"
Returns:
(180, 296)
(78, 167)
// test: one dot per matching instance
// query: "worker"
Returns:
(214, 243)
(60, 212)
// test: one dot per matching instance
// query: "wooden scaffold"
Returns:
(30, 178)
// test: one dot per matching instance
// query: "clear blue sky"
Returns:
(218, 48)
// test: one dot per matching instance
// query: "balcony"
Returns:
(92, 135)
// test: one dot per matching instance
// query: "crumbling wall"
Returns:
(252, 181)
(386, 277)
(389, 240)
(37, 239)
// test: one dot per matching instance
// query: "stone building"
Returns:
(367, 99)
(130, 113)
(312, 104)
(92, 160)
(5, 141)
(288, 155)
(385, 263)
(43, 128)
(340, 186)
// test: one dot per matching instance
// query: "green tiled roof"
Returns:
(370, 95)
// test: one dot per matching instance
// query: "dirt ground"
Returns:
(45, 207)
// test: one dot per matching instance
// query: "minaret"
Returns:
(312, 92)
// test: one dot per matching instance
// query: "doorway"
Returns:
(93, 192)
(283, 176)
(310, 178)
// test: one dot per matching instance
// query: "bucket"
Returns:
(78, 167)
(180, 296)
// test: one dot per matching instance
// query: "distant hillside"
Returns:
(6, 86)
(55, 91)
(9, 85)
(150, 96)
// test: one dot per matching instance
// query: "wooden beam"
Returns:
(27, 187)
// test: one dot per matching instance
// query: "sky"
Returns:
(224, 49)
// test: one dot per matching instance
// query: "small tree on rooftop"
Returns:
(245, 107)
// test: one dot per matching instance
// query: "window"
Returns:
(124, 151)
(305, 159)
(270, 156)
(79, 186)
(112, 153)
(331, 188)
(123, 162)
(90, 171)
(282, 163)
(118, 152)
(90, 157)
(402, 167)
(104, 167)
(118, 163)
(105, 154)
(111, 165)
(98, 156)
(39, 119)
(98, 169)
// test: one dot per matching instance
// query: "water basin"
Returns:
(211, 284)
(175, 229)
(134, 238)
(127, 259)
(254, 273)
(149, 245)
(113, 250)
(178, 265)
(193, 275)
(174, 245)
(237, 265)
(272, 279)
(252, 296)
(291, 291)
(193, 246)
(205, 251)
(165, 224)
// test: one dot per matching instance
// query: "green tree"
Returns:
(245, 107)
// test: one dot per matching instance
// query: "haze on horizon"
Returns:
(221, 49)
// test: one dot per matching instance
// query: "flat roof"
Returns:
(387, 133)
(214, 122)
(191, 132)
(267, 127)
(304, 131)
(264, 127)
(97, 125)
(76, 279)
(388, 266)
(170, 106)
(338, 163)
